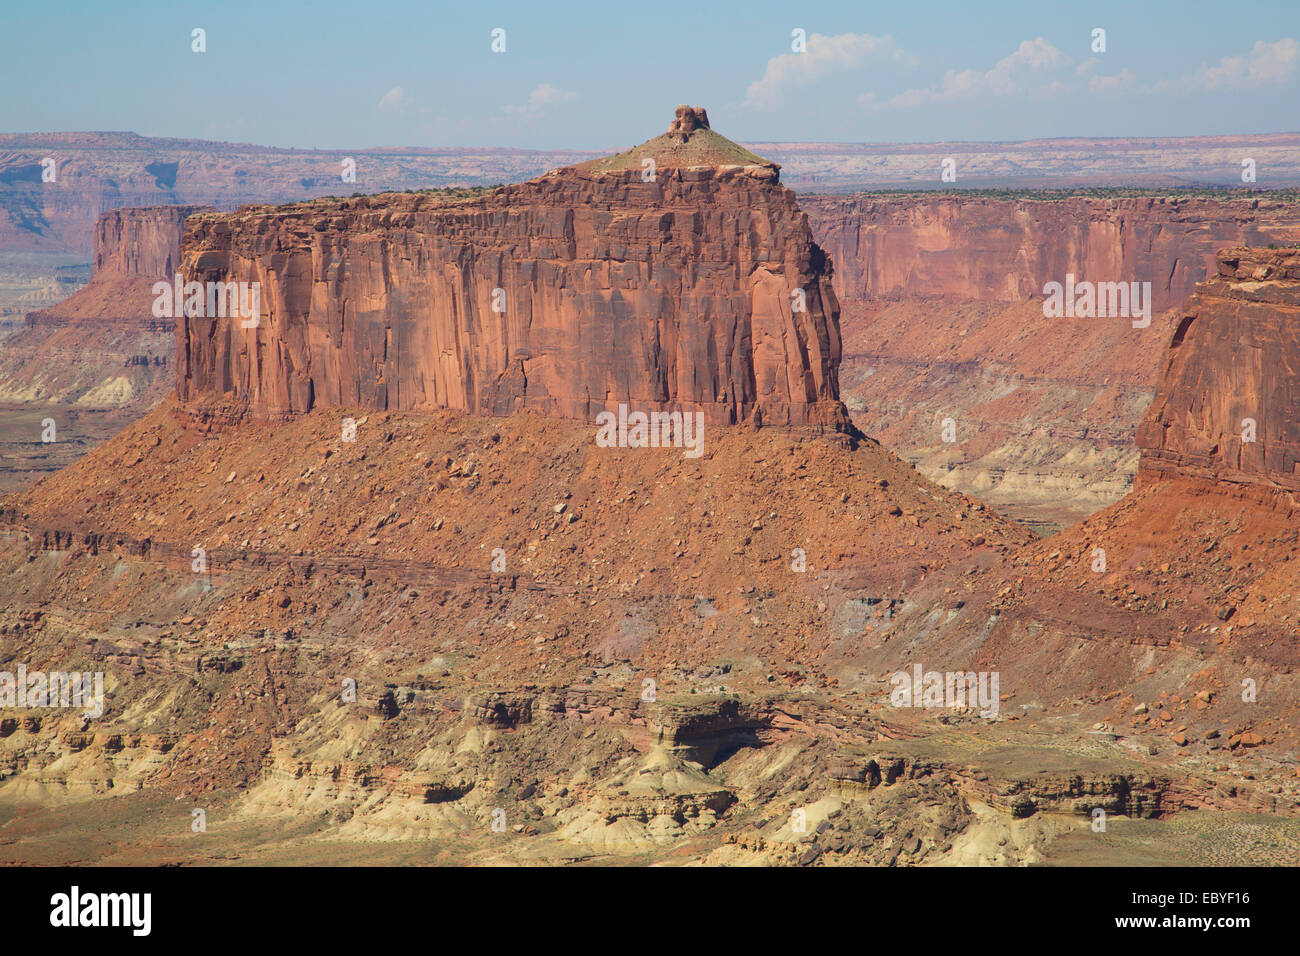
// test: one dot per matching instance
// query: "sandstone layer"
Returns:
(1204, 550)
(133, 249)
(700, 290)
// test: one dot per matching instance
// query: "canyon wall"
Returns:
(1226, 405)
(566, 295)
(1006, 249)
(942, 321)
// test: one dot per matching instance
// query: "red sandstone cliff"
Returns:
(142, 241)
(676, 293)
(1232, 363)
(1006, 249)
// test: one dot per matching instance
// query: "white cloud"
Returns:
(1037, 69)
(822, 57)
(1266, 64)
(1124, 79)
(1024, 72)
(542, 96)
(394, 101)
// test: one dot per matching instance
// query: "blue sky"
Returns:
(605, 75)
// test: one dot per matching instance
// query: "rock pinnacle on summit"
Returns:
(690, 141)
(689, 119)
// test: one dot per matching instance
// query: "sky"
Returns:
(602, 76)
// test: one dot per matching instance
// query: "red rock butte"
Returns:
(680, 275)
(133, 249)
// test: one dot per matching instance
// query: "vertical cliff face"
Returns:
(694, 287)
(1226, 405)
(145, 241)
(1006, 249)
